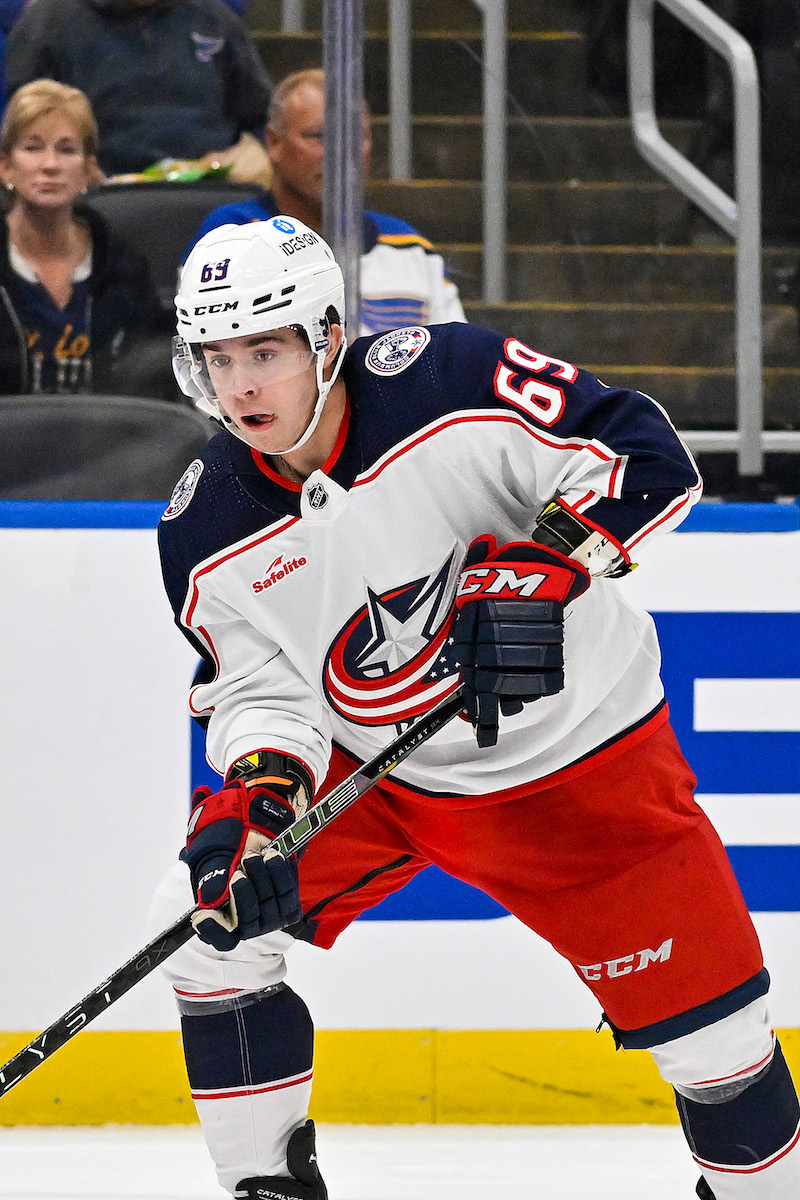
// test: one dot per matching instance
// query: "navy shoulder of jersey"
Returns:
(409, 377)
(219, 500)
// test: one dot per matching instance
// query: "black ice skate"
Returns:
(703, 1190)
(306, 1184)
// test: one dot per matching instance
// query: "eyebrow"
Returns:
(255, 340)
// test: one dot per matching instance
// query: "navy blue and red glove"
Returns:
(509, 627)
(242, 888)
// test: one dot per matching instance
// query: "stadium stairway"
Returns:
(601, 268)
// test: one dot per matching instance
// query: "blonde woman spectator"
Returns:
(73, 297)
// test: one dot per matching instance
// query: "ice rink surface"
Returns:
(362, 1162)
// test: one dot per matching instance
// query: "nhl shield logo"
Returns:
(317, 496)
(395, 351)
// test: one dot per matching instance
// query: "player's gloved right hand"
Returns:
(509, 627)
(242, 888)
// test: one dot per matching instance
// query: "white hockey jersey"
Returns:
(322, 612)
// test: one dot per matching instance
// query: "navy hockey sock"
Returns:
(247, 1042)
(749, 1129)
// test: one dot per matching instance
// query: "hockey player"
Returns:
(369, 527)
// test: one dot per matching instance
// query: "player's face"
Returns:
(266, 384)
(48, 166)
(296, 150)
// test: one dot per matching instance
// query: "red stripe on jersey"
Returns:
(261, 460)
(233, 1093)
(762, 1166)
(738, 1074)
(553, 442)
(213, 563)
(209, 995)
(683, 501)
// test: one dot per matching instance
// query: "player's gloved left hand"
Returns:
(509, 627)
(242, 888)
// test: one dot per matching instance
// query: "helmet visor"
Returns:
(203, 374)
(189, 369)
(255, 363)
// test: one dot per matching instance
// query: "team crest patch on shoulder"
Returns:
(184, 490)
(396, 350)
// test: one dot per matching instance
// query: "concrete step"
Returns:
(570, 213)
(705, 397)
(546, 71)
(461, 15)
(539, 148)
(606, 274)
(685, 335)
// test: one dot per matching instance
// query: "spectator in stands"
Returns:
(402, 277)
(74, 301)
(166, 78)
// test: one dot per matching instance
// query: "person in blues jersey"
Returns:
(371, 526)
(402, 279)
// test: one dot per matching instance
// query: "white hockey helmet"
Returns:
(247, 279)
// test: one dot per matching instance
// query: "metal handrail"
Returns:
(495, 70)
(739, 217)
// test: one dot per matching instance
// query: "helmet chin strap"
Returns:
(323, 387)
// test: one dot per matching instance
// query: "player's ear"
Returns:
(335, 335)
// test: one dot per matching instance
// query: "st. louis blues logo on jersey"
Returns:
(392, 659)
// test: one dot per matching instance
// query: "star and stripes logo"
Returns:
(392, 660)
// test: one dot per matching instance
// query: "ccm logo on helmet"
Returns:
(298, 243)
(216, 308)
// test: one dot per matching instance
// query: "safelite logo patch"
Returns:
(277, 570)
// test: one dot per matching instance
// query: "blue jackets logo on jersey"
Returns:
(392, 659)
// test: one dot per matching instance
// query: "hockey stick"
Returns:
(289, 842)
